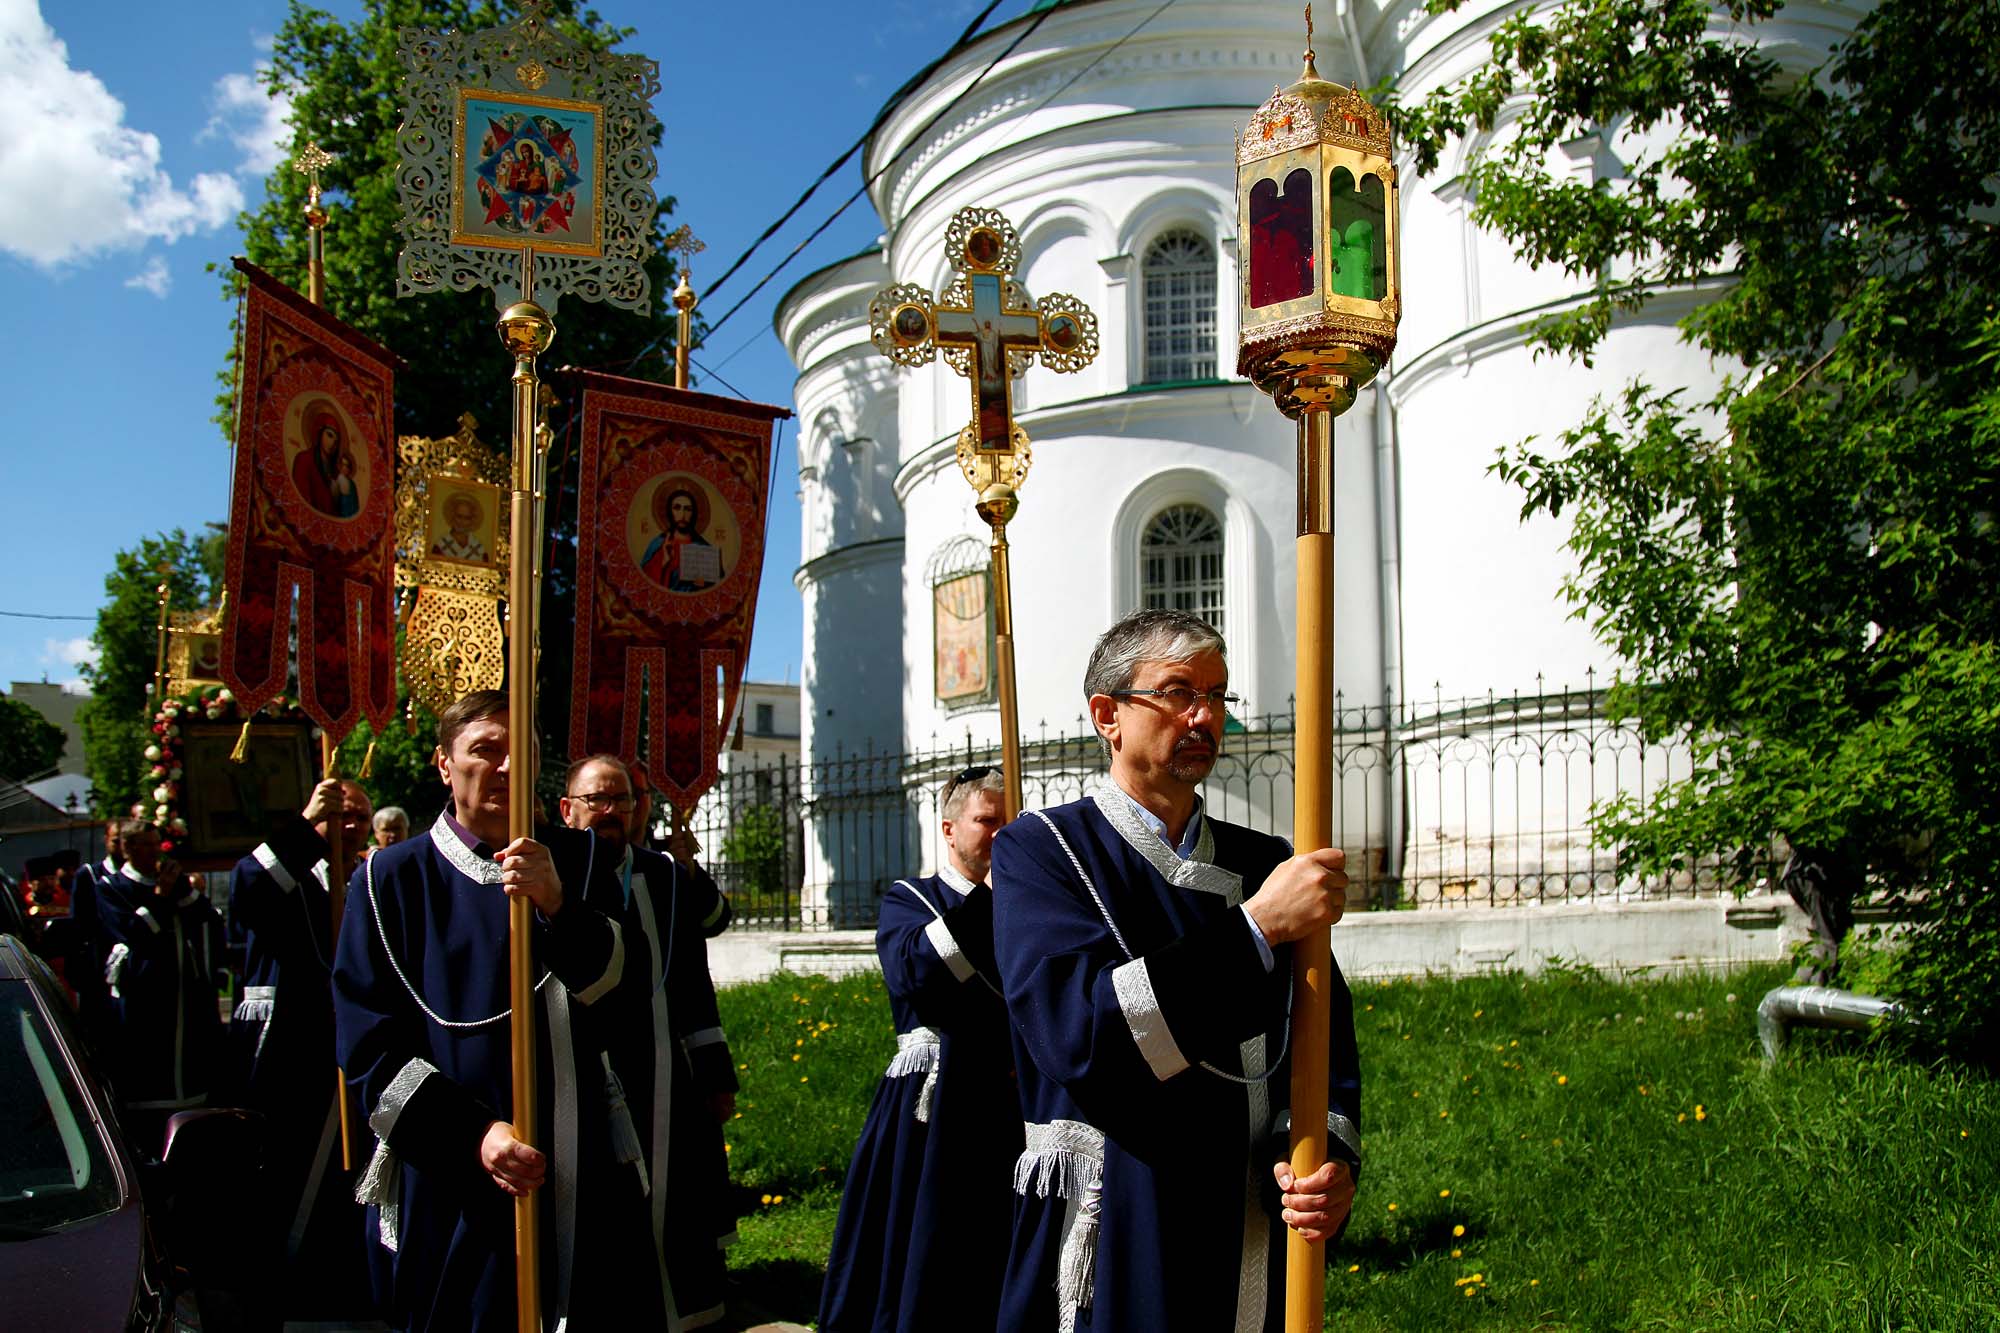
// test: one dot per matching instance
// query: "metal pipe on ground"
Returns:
(1785, 1007)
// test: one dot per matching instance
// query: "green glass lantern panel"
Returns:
(1357, 241)
(1281, 239)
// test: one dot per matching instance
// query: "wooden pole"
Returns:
(1312, 829)
(526, 331)
(997, 505)
(336, 901)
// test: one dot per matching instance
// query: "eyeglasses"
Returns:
(600, 801)
(969, 775)
(1181, 699)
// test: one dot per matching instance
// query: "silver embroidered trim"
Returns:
(1133, 984)
(949, 873)
(114, 966)
(461, 857)
(273, 867)
(259, 1003)
(382, 1183)
(1253, 1273)
(396, 964)
(145, 914)
(919, 1051)
(706, 1037)
(1061, 1158)
(1199, 872)
(1340, 1127)
(939, 934)
(614, 968)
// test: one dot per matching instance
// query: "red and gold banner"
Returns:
(670, 545)
(310, 513)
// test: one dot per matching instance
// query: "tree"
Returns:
(345, 82)
(1801, 571)
(116, 720)
(30, 744)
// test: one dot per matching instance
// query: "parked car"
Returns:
(90, 1238)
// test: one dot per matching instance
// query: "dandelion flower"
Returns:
(1354, 1268)
(1470, 1291)
(1444, 1115)
(1392, 1207)
(1478, 1012)
(1679, 1118)
(1458, 1230)
(777, 1198)
(1561, 1079)
(767, 1199)
(1700, 1112)
(1536, 1282)
(1457, 1254)
(804, 1077)
(725, 1147)
(796, 1057)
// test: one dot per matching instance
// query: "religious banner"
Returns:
(670, 545)
(194, 649)
(310, 512)
(452, 550)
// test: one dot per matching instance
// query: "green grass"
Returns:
(1617, 1155)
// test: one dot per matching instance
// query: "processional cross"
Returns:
(989, 333)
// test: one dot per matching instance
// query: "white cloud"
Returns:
(68, 653)
(99, 185)
(153, 278)
(256, 122)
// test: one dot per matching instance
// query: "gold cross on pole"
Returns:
(989, 333)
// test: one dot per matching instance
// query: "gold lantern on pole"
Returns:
(1320, 297)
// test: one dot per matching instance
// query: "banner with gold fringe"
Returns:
(670, 547)
(310, 513)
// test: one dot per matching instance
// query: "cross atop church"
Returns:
(985, 326)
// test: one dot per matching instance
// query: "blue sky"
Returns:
(137, 133)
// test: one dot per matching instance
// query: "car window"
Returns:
(55, 1169)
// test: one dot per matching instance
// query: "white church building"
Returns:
(1161, 478)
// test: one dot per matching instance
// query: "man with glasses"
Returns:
(666, 1043)
(921, 1241)
(1144, 950)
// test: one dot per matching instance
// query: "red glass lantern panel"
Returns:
(1281, 239)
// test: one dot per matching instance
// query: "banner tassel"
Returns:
(367, 762)
(241, 754)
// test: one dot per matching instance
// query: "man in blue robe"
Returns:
(1144, 949)
(921, 1240)
(669, 1051)
(281, 902)
(422, 1021)
(154, 949)
(84, 891)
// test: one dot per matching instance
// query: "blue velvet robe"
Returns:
(921, 1239)
(281, 1063)
(1135, 983)
(422, 1021)
(671, 1055)
(156, 959)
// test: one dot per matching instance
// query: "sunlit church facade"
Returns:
(1161, 478)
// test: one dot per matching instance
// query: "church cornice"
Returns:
(839, 561)
(1139, 403)
(1666, 304)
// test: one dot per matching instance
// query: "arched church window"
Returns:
(1180, 307)
(1180, 562)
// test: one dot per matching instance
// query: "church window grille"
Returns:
(1180, 563)
(1180, 308)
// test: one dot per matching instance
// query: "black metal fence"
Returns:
(1439, 803)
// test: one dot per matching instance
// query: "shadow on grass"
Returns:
(774, 1289)
(1419, 1236)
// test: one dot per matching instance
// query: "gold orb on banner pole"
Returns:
(1320, 297)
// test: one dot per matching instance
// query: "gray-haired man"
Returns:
(1145, 952)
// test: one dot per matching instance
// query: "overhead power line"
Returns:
(37, 615)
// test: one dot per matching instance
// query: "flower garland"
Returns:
(165, 755)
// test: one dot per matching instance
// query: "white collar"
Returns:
(131, 872)
(1197, 871)
(959, 884)
(473, 867)
(110, 866)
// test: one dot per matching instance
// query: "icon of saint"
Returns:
(324, 471)
(672, 558)
(463, 515)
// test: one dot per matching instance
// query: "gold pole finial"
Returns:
(312, 160)
(683, 240)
